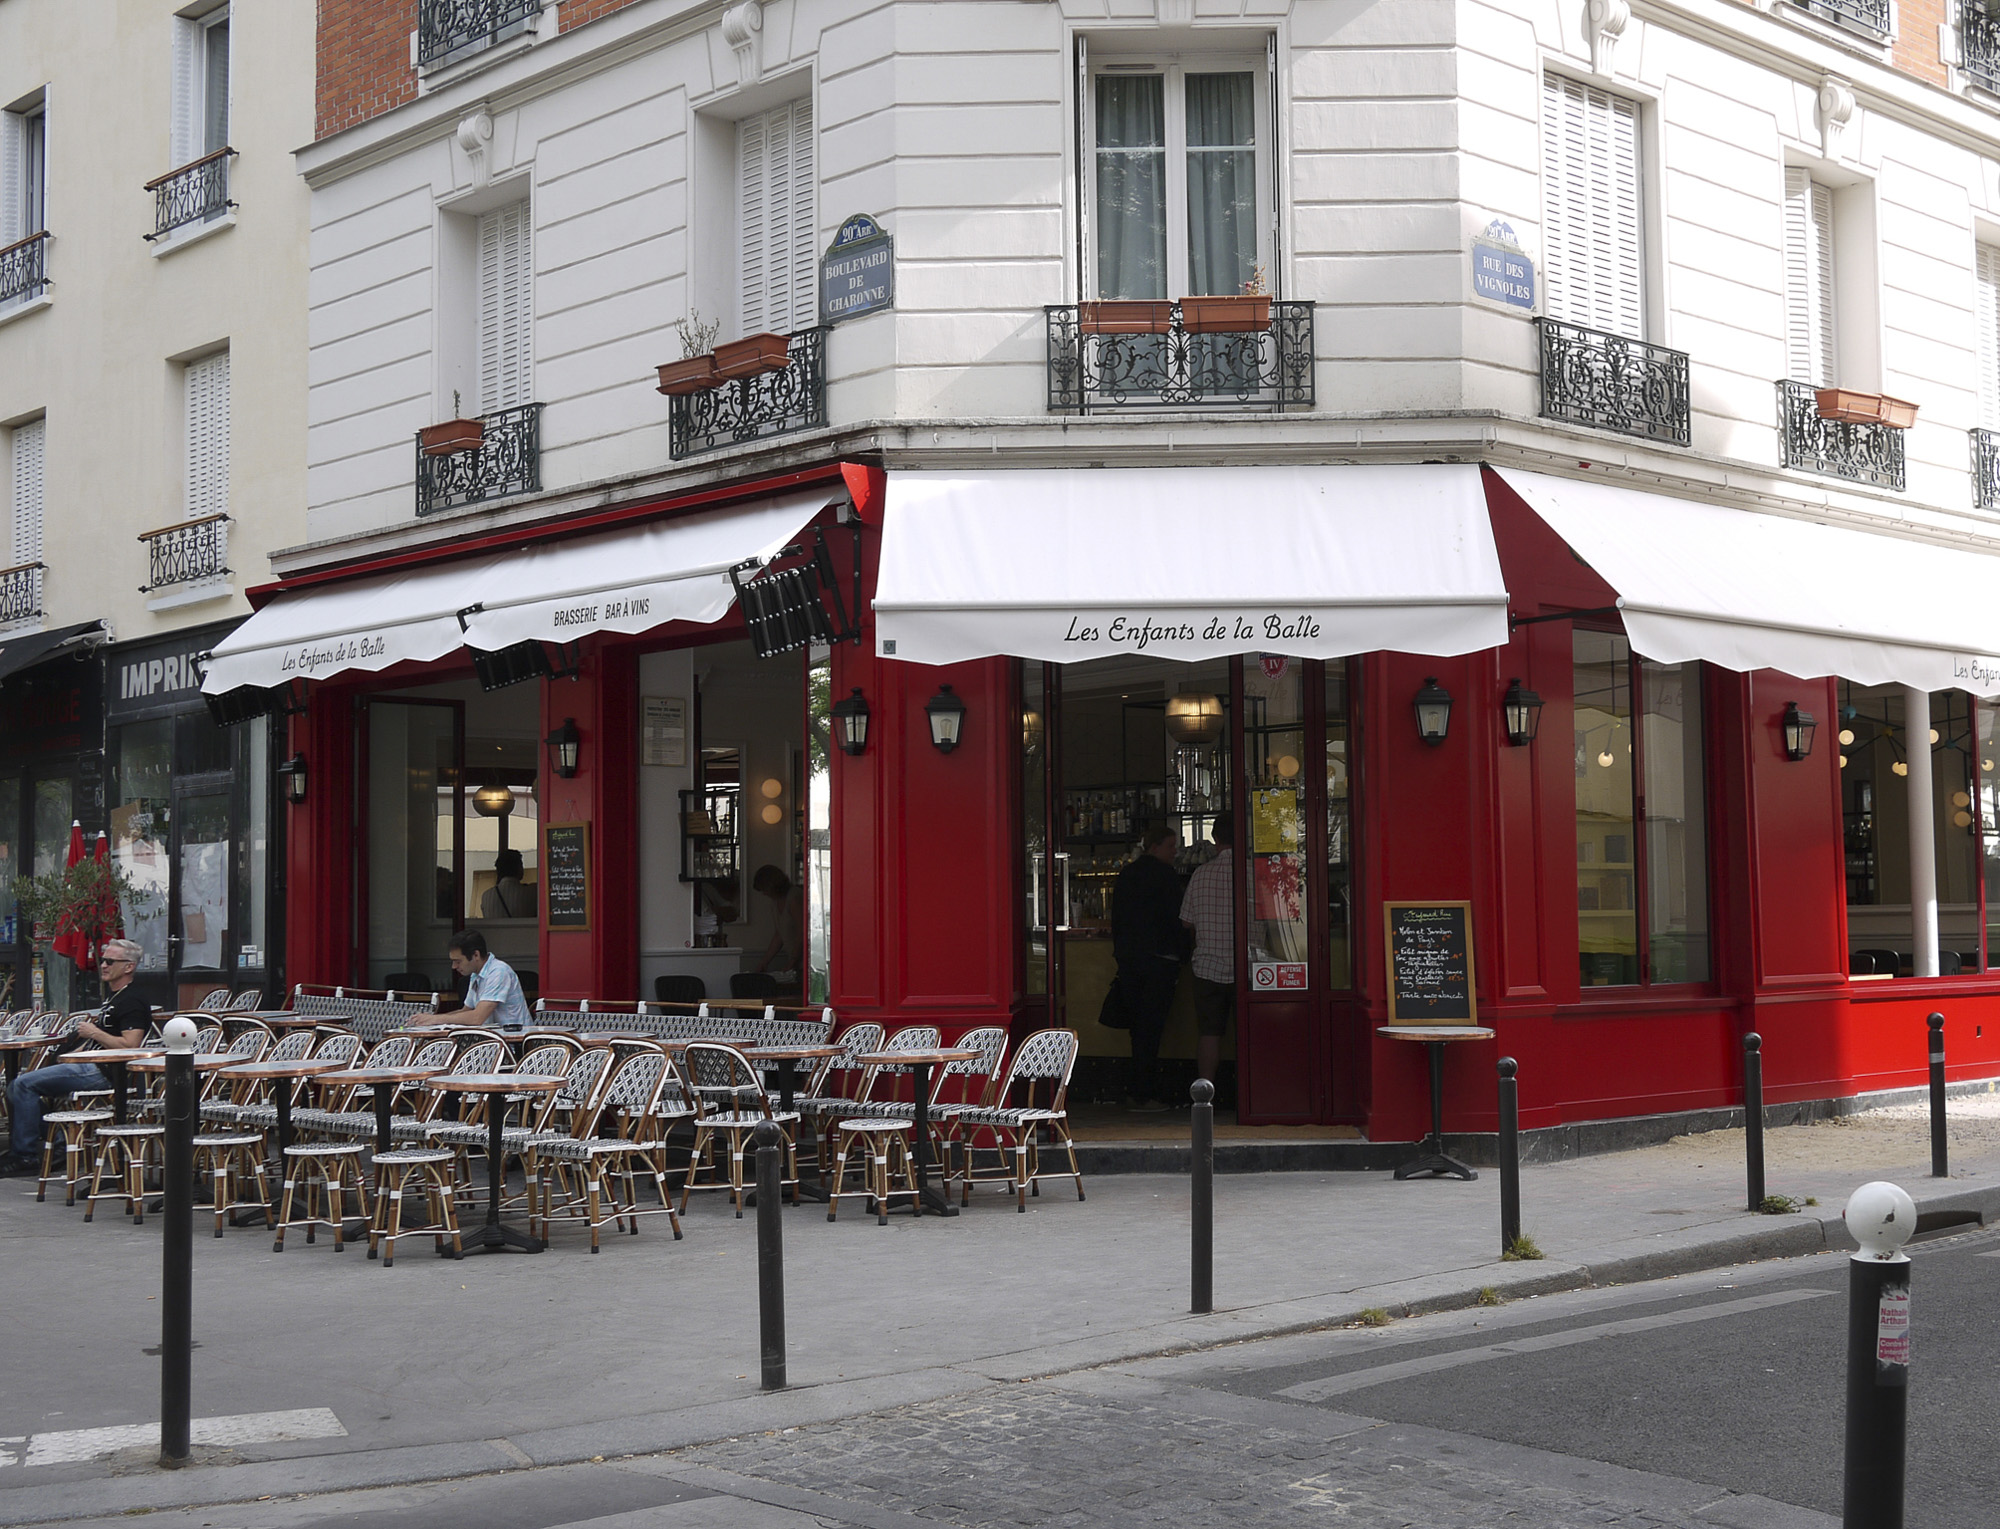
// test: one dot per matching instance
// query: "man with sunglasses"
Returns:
(125, 1021)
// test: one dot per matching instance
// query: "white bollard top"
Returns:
(179, 1034)
(1881, 1217)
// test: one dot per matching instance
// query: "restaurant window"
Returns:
(1339, 830)
(1641, 823)
(1274, 747)
(1592, 221)
(819, 824)
(777, 226)
(1178, 177)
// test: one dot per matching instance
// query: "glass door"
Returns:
(413, 838)
(199, 934)
(52, 816)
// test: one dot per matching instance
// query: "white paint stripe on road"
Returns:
(68, 1446)
(1430, 1364)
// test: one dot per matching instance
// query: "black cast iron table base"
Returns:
(1431, 1157)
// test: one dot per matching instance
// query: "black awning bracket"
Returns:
(1514, 621)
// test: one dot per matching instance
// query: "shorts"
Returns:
(1214, 1002)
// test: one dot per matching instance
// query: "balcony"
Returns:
(24, 269)
(1979, 45)
(752, 408)
(1986, 469)
(1859, 453)
(194, 193)
(183, 558)
(1870, 16)
(448, 30)
(21, 594)
(1262, 369)
(507, 461)
(1590, 377)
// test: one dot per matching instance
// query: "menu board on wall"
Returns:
(1430, 963)
(566, 874)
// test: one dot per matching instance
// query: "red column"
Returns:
(320, 862)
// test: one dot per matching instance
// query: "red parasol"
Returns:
(110, 922)
(70, 942)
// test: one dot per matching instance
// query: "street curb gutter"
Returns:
(318, 1469)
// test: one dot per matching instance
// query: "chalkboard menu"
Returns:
(566, 874)
(1430, 963)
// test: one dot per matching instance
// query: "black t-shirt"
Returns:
(1146, 911)
(127, 1011)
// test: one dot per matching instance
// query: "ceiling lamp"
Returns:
(493, 800)
(1194, 718)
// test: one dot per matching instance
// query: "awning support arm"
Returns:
(1596, 610)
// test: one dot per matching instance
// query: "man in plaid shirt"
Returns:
(1209, 909)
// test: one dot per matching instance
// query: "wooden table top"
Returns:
(26, 1042)
(207, 1061)
(304, 1067)
(288, 1020)
(389, 1074)
(1435, 1032)
(115, 1054)
(790, 1053)
(924, 1058)
(493, 1083)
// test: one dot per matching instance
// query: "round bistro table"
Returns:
(921, 1062)
(493, 1237)
(1431, 1157)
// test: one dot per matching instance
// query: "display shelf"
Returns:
(710, 850)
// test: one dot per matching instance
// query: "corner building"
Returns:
(1469, 454)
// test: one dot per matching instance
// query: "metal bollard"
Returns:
(1940, 1150)
(1510, 1155)
(1881, 1217)
(1753, 1115)
(769, 1143)
(1202, 1198)
(177, 1249)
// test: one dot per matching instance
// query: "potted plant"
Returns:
(1246, 313)
(1125, 316)
(696, 368)
(1855, 408)
(453, 435)
(74, 910)
(752, 355)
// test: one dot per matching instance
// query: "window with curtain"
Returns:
(207, 387)
(777, 222)
(1593, 252)
(506, 309)
(1641, 820)
(1178, 180)
(1986, 315)
(1810, 339)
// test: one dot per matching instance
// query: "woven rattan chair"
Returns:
(342, 1046)
(250, 998)
(124, 1153)
(230, 1101)
(319, 1176)
(431, 1167)
(214, 1001)
(617, 1141)
(729, 1102)
(229, 1160)
(349, 1109)
(1013, 1132)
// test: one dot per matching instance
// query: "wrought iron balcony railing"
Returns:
(192, 552)
(192, 194)
(1269, 368)
(1590, 377)
(750, 408)
(1979, 44)
(24, 268)
(1986, 469)
(21, 593)
(448, 30)
(507, 461)
(1868, 15)
(1860, 453)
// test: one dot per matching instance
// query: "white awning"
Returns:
(1748, 590)
(1187, 563)
(620, 581)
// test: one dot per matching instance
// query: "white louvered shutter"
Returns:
(776, 223)
(1987, 308)
(804, 228)
(506, 309)
(208, 436)
(1809, 281)
(1593, 250)
(13, 170)
(26, 517)
(184, 131)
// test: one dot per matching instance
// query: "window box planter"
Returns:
(452, 437)
(752, 356)
(1125, 317)
(688, 376)
(1225, 315)
(1852, 408)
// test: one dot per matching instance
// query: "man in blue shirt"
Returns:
(493, 993)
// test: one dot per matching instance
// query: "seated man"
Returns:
(125, 1021)
(493, 993)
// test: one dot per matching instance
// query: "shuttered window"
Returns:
(208, 436)
(201, 87)
(25, 517)
(1592, 247)
(777, 230)
(1987, 305)
(506, 309)
(1810, 346)
(24, 158)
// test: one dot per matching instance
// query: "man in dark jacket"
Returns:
(1146, 940)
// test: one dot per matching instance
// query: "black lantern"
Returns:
(565, 747)
(293, 772)
(1799, 730)
(947, 714)
(1523, 710)
(1433, 706)
(850, 722)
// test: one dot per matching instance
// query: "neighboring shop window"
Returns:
(141, 816)
(777, 226)
(819, 825)
(1641, 819)
(1878, 750)
(1592, 208)
(1177, 166)
(1339, 831)
(1274, 746)
(506, 309)
(50, 852)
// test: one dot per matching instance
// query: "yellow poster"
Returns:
(1275, 822)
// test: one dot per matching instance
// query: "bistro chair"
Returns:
(413, 1129)
(469, 1136)
(679, 987)
(753, 985)
(1014, 1131)
(566, 1112)
(882, 1148)
(626, 1112)
(214, 1001)
(976, 1080)
(292, 1048)
(343, 1114)
(318, 1177)
(432, 1169)
(75, 1124)
(125, 1152)
(247, 1000)
(343, 1046)
(720, 1081)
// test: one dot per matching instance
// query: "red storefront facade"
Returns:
(931, 883)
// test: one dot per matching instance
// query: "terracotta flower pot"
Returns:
(1225, 315)
(1855, 408)
(752, 355)
(1125, 316)
(453, 436)
(689, 376)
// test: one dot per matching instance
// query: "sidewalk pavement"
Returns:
(436, 1369)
